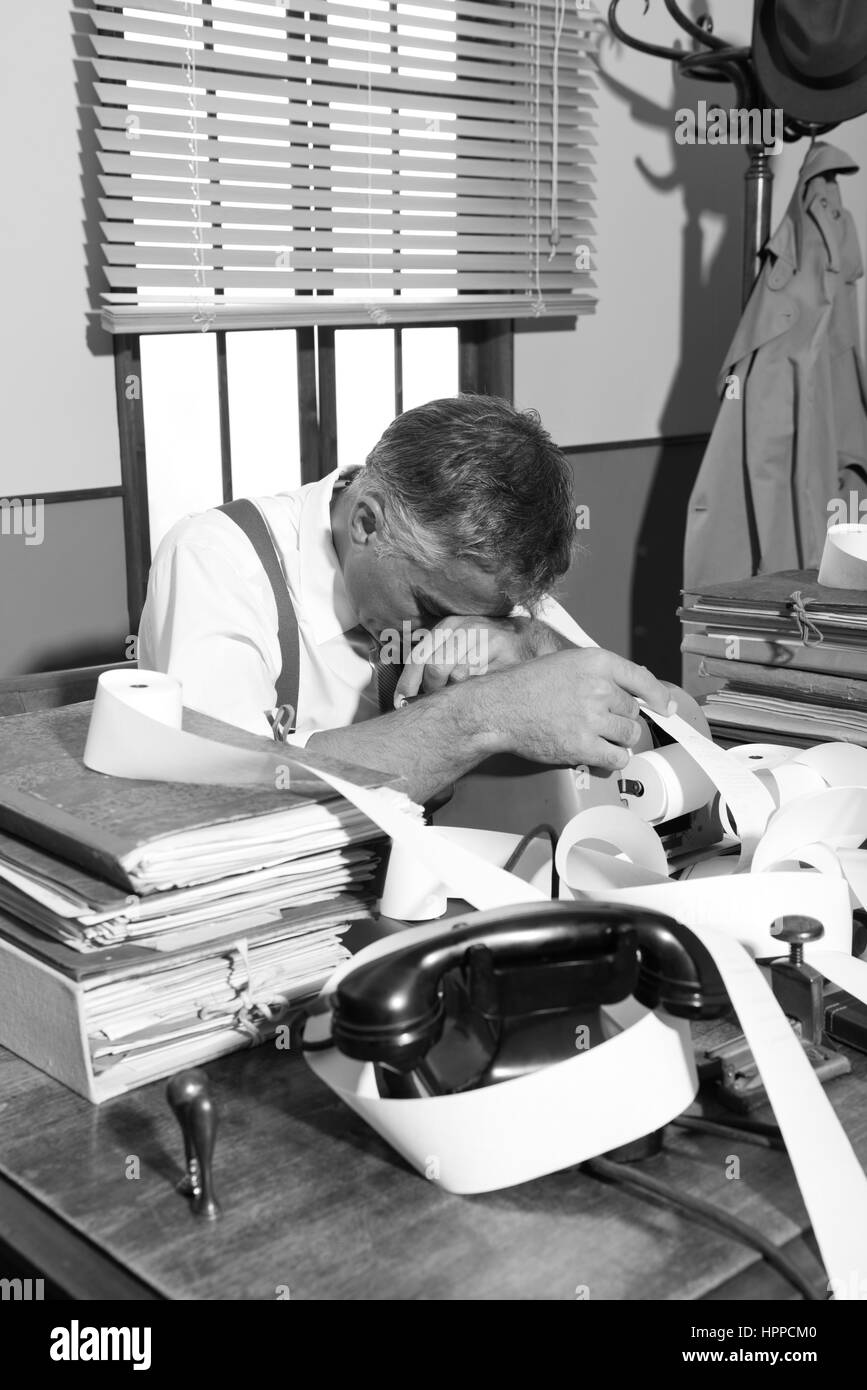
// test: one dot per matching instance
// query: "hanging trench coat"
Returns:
(791, 433)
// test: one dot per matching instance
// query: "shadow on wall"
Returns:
(709, 180)
(98, 341)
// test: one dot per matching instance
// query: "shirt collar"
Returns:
(326, 601)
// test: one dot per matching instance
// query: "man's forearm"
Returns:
(430, 743)
(544, 640)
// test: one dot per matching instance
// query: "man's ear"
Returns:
(365, 520)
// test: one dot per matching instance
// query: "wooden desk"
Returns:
(315, 1201)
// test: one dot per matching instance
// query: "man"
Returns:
(459, 523)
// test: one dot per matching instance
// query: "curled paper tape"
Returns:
(639, 1078)
(412, 893)
(832, 1182)
(506, 1134)
(620, 859)
(844, 557)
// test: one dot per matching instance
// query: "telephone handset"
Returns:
(508, 991)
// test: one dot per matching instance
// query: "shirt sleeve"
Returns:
(209, 623)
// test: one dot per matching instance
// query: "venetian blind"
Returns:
(274, 165)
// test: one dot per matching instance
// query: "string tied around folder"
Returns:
(808, 632)
(255, 1017)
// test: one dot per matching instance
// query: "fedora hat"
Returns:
(810, 57)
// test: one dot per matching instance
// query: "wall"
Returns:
(57, 401)
(643, 367)
(668, 252)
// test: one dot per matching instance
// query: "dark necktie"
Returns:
(388, 673)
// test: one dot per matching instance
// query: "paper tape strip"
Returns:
(518, 1129)
(125, 740)
(832, 1182)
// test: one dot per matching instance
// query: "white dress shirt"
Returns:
(210, 618)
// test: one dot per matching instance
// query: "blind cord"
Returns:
(193, 163)
(537, 152)
(554, 233)
(370, 164)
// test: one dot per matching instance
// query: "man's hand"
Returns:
(577, 707)
(461, 647)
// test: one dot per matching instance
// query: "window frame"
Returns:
(485, 367)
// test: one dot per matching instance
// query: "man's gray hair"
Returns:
(471, 478)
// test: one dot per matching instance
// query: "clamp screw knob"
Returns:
(796, 930)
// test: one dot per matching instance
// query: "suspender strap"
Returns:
(246, 515)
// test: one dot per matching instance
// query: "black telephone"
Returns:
(505, 992)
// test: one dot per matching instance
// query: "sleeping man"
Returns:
(397, 616)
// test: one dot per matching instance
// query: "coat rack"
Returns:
(719, 61)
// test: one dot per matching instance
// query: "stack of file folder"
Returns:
(150, 926)
(788, 655)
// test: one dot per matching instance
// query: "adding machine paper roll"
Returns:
(844, 557)
(126, 740)
(671, 784)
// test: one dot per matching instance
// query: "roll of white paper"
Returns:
(124, 741)
(844, 557)
(412, 892)
(150, 692)
(672, 783)
(135, 731)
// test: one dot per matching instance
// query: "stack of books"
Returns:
(150, 926)
(786, 655)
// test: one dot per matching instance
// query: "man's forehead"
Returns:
(464, 588)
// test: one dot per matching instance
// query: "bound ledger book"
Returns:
(788, 655)
(147, 926)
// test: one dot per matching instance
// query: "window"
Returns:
(315, 216)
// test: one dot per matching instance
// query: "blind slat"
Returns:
(117, 122)
(343, 165)
(399, 199)
(127, 313)
(241, 278)
(313, 42)
(124, 234)
(488, 25)
(274, 107)
(228, 173)
(264, 161)
(494, 102)
(294, 259)
(204, 216)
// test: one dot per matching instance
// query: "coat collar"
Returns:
(771, 311)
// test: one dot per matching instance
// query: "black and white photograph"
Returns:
(433, 670)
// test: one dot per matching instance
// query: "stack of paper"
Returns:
(789, 657)
(160, 924)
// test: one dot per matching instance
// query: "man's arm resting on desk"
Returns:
(571, 708)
